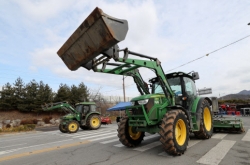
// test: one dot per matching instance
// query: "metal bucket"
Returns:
(97, 33)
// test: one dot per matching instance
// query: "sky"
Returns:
(175, 32)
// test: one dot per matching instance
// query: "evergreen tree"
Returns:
(7, 95)
(74, 95)
(30, 97)
(83, 92)
(19, 92)
(44, 95)
(63, 93)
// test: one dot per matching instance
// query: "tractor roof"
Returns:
(85, 103)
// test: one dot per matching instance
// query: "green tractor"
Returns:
(84, 115)
(171, 107)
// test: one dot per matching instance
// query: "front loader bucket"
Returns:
(96, 34)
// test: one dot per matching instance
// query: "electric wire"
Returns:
(210, 53)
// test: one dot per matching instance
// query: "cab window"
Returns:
(175, 85)
(190, 88)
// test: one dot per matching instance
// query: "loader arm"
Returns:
(130, 67)
(64, 105)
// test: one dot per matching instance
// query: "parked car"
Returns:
(106, 119)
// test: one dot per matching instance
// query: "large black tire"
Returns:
(127, 135)
(174, 132)
(206, 121)
(84, 127)
(62, 128)
(72, 126)
(93, 122)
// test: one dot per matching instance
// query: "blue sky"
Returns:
(176, 32)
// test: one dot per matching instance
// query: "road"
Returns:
(102, 147)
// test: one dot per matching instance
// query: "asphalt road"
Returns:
(102, 147)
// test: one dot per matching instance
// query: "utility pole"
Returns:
(123, 85)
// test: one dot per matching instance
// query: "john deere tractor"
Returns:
(84, 115)
(171, 108)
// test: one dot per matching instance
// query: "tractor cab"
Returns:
(85, 108)
(182, 85)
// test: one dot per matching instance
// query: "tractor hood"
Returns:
(68, 116)
(143, 97)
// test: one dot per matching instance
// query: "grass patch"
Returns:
(21, 128)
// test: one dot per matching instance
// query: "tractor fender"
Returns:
(197, 110)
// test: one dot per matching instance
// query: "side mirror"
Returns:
(195, 76)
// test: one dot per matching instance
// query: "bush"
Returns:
(29, 127)
(35, 121)
(8, 126)
(27, 121)
(47, 120)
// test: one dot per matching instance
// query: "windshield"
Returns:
(157, 88)
(79, 108)
(174, 83)
(92, 108)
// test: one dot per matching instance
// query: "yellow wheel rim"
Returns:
(180, 132)
(134, 135)
(72, 127)
(95, 122)
(207, 119)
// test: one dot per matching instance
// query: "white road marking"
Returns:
(217, 153)
(13, 145)
(105, 137)
(190, 144)
(247, 136)
(89, 134)
(219, 136)
(26, 137)
(148, 146)
(12, 150)
(89, 137)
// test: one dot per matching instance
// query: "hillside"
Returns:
(242, 95)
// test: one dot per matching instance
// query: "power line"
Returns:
(210, 53)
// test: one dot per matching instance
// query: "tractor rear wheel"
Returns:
(128, 136)
(174, 132)
(62, 128)
(206, 121)
(93, 122)
(72, 126)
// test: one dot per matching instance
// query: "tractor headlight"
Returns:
(141, 102)
(132, 103)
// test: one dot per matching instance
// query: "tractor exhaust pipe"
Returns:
(97, 33)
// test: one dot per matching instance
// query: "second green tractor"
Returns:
(84, 115)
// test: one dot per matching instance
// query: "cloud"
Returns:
(174, 32)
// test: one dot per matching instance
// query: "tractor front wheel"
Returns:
(94, 122)
(174, 132)
(62, 128)
(128, 136)
(206, 121)
(72, 126)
